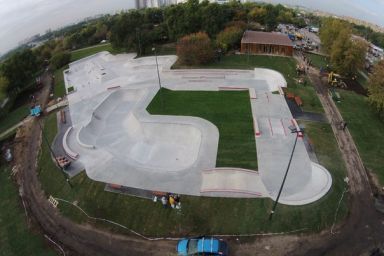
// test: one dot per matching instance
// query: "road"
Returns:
(362, 231)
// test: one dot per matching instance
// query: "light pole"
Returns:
(158, 75)
(157, 66)
(293, 130)
(138, 39)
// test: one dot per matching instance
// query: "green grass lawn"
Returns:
(15, 238)
(199, 215)
(229, 111)
(13, 118)
(59, 88)
(318, 61)
(285, 65)
(163, 49)
(366, 128)
(84, 52)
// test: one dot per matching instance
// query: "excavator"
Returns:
(335, 80)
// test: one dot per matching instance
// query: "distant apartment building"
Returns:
(159, 3)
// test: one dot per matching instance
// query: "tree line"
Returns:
(138, 30)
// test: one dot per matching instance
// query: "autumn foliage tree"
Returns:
(347, 53)
(376, 88)
(230, 37)
(195, 49)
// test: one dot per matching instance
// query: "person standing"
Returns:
(164, 201)
(171, 201)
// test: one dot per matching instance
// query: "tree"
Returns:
(376, 88)
(354, 56)
(214, 17)
(230, 37)
(330, 30)
(195, 49)
(3, 86)
(258, 14)
(124, 33)
(20, 69)
(347, 53)
(60, 59)
(270, 19)
(285, 16)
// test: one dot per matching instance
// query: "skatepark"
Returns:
(119, 142)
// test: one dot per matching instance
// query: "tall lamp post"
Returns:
(138, 39)
(158, 75)
(157, 66)
(293, 130)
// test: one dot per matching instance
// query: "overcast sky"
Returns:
(20, 19)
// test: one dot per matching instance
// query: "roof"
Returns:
(257, 37)
(208, 245)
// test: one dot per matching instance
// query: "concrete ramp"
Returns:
(232, 182)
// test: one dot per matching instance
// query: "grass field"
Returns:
(59, 88)
(229, 111)
(13, 118)
(367, 130)
(84, 52)
(15, 238)
(198, 215)
(163, 49)
(285, 65)
(318, 61)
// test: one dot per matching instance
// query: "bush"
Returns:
(60, 59)
(195, 49)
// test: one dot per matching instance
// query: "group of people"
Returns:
(170, 200)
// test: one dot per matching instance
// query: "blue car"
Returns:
(202, 246)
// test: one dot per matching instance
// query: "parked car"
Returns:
(202, 246)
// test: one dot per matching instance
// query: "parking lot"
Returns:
(303, 38)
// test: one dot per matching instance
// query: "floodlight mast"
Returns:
(158, 76)
(293, 130)
(157, 66)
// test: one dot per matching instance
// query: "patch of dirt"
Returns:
(353, 85)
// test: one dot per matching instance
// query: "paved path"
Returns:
(60, 104)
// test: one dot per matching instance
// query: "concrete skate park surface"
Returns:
(120, 143)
